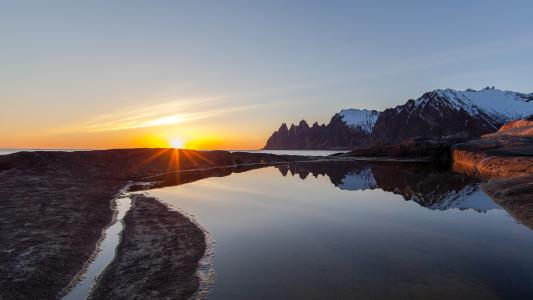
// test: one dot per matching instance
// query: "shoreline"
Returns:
(149, 225)
(515, 195)
(88, 277)
(62, 200)
(56, 204)
(505, 160)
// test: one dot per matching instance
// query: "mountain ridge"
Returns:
(438, 113)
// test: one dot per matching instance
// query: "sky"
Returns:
(226, 74)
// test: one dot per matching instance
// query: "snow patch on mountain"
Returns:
(503, 106)
(360, 118)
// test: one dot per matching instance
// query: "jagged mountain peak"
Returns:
(283, 127)
(303, 124)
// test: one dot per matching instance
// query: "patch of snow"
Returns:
(503, 106)
(360, 118)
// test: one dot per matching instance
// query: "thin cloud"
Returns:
(161, 114)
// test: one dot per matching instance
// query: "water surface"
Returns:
(296, 152)
(354, 230)
(105, 253)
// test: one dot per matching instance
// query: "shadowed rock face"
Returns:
(437, 151)
(335, 135)
(433, 118)
(54, 206)
(426, 186)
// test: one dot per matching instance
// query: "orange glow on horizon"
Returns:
(200, 137)
(206, 123)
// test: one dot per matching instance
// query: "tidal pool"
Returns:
(356, 230)
(105, 253)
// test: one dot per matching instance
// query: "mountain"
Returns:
(435, 114)
(429, 188)
(345, 131)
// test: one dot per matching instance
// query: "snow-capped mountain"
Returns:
(435, 114)
(503, 106)
(448, 112)
(359, 118)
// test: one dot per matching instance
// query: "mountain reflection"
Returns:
(423, 184)
(431, 188)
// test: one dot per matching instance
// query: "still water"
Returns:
(356, 230)
(105, 252)
(295, 152)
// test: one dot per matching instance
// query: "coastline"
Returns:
(56, 204)
(505, 160)
(66, 196)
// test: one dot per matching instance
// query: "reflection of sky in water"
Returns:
(283, 237)
(296, 152)
(107, 251)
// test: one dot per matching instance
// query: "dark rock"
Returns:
(336, 135)
(434, 150)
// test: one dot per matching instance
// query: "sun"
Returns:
(176, 143)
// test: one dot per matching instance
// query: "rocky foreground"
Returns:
(54, 206)
(157, 258)
(503, 154)
(506, 158)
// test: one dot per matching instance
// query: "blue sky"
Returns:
(259, 63)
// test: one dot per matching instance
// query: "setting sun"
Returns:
(176, 143)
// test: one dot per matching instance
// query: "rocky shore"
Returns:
(157, 257)
(504, 154)
(55, 205)
(433, 150)
(505, 159)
